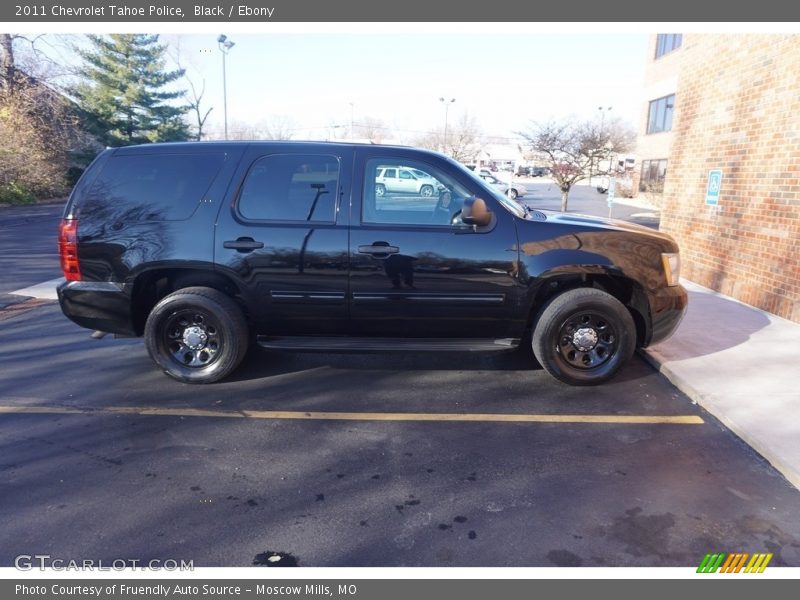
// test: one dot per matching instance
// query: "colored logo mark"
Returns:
(734, 563)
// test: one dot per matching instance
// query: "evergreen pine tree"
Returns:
(125, 97)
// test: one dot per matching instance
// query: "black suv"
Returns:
(205, 247)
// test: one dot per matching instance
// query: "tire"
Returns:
(426, 191)
(197, 335)
(513, 194)
(380, 190)
(602, 190)
(584, 337)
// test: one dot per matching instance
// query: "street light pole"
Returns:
(447, 104)
(603, 110)
(225, 46)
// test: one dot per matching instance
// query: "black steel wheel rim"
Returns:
(191, 338)
(587, 340)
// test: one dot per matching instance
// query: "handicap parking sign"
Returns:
(714, 185)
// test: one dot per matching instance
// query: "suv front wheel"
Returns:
(196, 335)
(584, 336)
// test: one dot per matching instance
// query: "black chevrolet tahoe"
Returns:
(205, 248)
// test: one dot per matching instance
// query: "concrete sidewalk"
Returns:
(742, 365)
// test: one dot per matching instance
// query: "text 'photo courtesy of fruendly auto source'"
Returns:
(371, 296)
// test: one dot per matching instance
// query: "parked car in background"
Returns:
(524, 171)
(532, 171)
(517, 190)
(405, 181)
(482, 171)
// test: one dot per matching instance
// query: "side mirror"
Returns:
(475, 212)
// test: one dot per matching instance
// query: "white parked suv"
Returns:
(404, 180)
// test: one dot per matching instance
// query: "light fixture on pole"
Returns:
(603, 110)
(447, 104)
(225, 46)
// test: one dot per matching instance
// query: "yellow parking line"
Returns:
(361, 416)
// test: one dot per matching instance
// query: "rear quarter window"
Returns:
(155, 187)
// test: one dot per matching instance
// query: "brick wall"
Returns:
(738, 109)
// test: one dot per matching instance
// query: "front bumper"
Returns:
(667, 307)
(98, 305)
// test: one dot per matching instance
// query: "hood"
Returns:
(602, 223)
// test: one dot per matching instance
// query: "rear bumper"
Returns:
(667, 307)
(99, 305)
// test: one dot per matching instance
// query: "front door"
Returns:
(415, 269)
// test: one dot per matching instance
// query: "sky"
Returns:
(318, 81)
(505, 81)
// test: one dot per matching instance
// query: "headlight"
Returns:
(672, 267)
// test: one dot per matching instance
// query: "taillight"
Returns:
(68, 249)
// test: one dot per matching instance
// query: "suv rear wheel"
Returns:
(426, 191)
(196, 335)
(584, 336)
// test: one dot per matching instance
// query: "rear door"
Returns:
(407, 183)
(416, 270)
(284, 237)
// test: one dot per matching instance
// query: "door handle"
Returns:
(243, 244)
(379, 248)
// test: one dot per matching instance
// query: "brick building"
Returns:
(729, 102)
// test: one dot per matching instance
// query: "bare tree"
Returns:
(576, 150)
(370, 128)
(39, 126)
(193, 102)
(192, 96)
(8, 62)
(239, 130)
(277, 127)
(41, 133)
(463, 141)
(23, 57)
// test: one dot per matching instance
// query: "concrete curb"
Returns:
(668, 360)
(789, 471)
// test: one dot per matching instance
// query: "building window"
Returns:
(667, 42)
(659, 117)
(653, 174)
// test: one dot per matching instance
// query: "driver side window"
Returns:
(421, 195)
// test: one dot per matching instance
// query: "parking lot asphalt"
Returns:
(323, 459)
(131, 464)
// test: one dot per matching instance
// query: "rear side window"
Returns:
(157, 187)
(291, 187)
